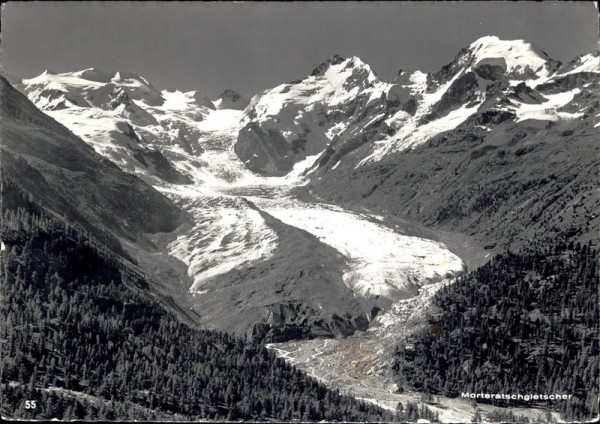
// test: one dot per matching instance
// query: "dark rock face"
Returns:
(119, 98)
(288, 321)
(491, 68)
(341, 147)
(264, 151)
(160, 166)
(447, 72)
(567, 82)
(203, 100)
(524, 94)
(489, 117)
(400, 98)
(231, 95)
(322, 68)
(462, 90)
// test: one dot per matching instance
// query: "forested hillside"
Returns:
(83, 339)
(525, 322)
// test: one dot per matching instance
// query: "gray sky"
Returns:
(252, 46)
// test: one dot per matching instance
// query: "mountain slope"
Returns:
(523, 162)
(69, 180)
(343, 106)
(65, 175)
(83, 339)
(292, 121)
(125, 118)
(504, 184)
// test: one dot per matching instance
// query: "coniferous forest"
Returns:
(525, 322)
(82, 339)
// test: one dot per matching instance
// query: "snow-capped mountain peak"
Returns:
(89, 87)
(94, 74)
(124, 117)
(493, 59)
(517, 54)
(341, 106)
(302, 117)
(349, 73)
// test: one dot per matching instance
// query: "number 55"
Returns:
(30, 404)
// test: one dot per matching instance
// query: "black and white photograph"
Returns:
(300, 211)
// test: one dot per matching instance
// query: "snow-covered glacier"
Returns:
(122, 115)
(230, 233)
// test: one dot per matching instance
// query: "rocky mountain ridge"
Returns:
(124, 118)
(523, 161)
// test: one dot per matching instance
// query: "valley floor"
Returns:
(359, 365)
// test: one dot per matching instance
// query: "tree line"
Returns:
(81, 338)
